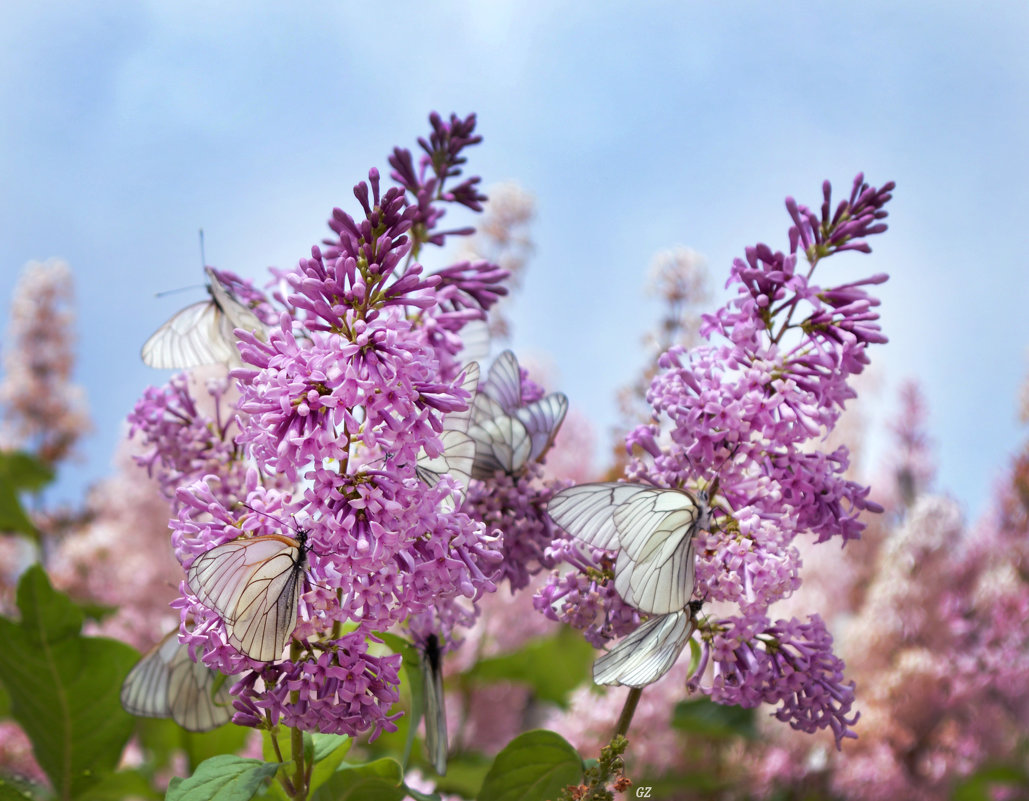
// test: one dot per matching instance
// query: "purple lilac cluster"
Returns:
(185, 438)
(585, 597)
(336, 402)
(746, 418)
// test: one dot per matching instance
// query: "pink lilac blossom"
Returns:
(335, 404)
(119, 556)
(503, 239)
(743, 419)
(43, 411)
(937, 642)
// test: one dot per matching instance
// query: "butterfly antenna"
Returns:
(271, 517)
(203, 257)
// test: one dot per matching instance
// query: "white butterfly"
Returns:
(202, 333)
(458, 454)
(435, 711)
(507, 434)
(652, 529)
(167, 683)
(254, 584)
(648, 653)
(476, 340)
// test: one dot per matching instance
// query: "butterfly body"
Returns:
(435, 711)
(254, 584)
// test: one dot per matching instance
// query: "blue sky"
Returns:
(128, 126)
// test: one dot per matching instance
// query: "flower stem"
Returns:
(628, 711)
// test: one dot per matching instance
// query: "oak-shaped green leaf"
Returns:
(64, 688)
(223, 778)
(534, 766)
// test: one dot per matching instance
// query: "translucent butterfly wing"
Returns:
(145, 690)
(254, 585)
(501, 441)
(435, 710)
(167, 683)
(504, 383)
(655, 567)
(458, 421)
(203, 333)
(542, 419)
(235, 314)
(456, 460)
(476, 340)
(458, 455)
(191, 338)
(587, 511)
(648, 653)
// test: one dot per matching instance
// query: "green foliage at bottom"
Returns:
(534, 766)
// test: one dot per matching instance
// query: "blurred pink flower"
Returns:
(43, 411)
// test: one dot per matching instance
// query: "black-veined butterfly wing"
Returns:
(645, 655)
(191, 338)
(586, 511)
(653, 530)
(435, 710)
(235, 313)
(504, 383)
(202, 333)
(458, 455)
(655, 567)
(167, 683)
(254, 585)
(457, 460)
(501, 441)
(476, 340)
(542, 419)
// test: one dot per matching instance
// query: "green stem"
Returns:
(297, 747)
(622, 727)
(296, 738)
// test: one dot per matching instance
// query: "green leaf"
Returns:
(552, 666)
(19, 471)
(9, 791)
(23, 471)
(413, 674)
(465, 774)
(223, 778)
(47, 616)
(981, 784)
(534, 766)
(201, 746)
(64, 688)
(12, 515)
(381, 780)
(329, 750)
(119, 786)
(710, 720)
(329, 744)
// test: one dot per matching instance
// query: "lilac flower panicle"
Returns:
(317, 439)
(745, 418)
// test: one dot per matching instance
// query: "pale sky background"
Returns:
(125, 127)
